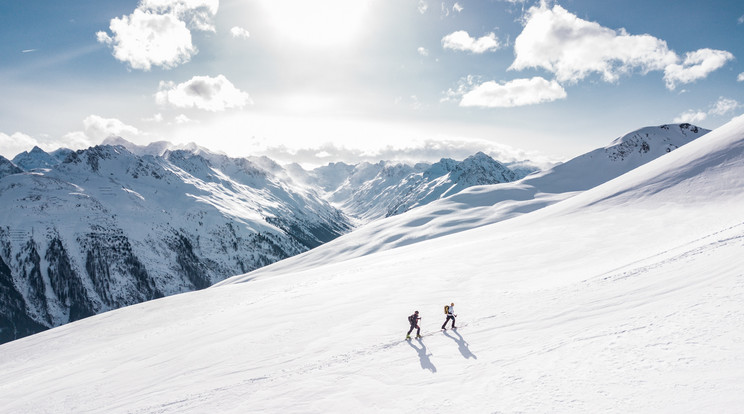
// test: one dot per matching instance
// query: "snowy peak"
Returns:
(371, 191)
(449, 177)
(7, 167)
(155, 149)
(91, 159)
(36, 158)
(440, 168)
(653, 141)
(39, 159)
(194, 164)
(624, 154)
(480, 169)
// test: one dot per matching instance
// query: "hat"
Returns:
(415, 312)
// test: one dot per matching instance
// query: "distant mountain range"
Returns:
(481, 205)
(371, 191)
(82, 232)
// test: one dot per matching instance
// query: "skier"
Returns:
(450, 315)
(413, 319)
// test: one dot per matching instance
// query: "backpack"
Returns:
(446, 309)
(412, 319)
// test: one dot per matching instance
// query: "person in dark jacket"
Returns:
(450, 315)
(413, 319)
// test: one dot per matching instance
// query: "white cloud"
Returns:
(572, 49)
(740, 78)
(239, 33)
(721, 107)
(423, 6)
(697, 65)
(457, 7)
(741, 20)
(423, 51)
(158, 32)
(12, 145)
(724, 106)
(423, 150)
(519, 92)
(203, 92)
(97, 128)
(461, 40)
(691, 117)
(183, 119)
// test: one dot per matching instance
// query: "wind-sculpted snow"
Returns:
(627, 297)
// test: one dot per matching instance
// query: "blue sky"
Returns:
(350, 80)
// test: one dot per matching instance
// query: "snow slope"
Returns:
(487, 204)
(625, 298)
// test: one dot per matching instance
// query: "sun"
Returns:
(319, 23)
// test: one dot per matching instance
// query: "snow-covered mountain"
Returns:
(371, 191)
(7, 167)
(39, 159)
(478, 206)
(106, 228)
(626, 297)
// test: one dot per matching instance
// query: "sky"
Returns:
(322, 81)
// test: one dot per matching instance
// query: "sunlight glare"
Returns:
(321, 23)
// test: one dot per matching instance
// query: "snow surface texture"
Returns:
(627, 297)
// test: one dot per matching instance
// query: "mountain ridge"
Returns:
(478, 206)
(106, 228)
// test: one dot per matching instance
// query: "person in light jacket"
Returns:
(450, 315)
